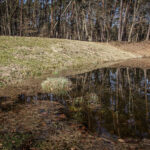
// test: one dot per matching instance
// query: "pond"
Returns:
(114, 101)
(109, 102)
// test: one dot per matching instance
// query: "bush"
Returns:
(58, 86)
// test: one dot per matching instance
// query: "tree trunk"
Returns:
(8, 18)
(133, 21)
(104, 20)
(148, 33)
(51, 27)
(21, 17)
(125, 19)
(77, 21)
(72, 21)
(90, 38)
(120, 21)
(85, 27)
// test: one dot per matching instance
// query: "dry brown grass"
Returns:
(57, 86)
(143, 63)
(140, 48)
(25, 57)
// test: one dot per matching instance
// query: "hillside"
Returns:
(23, 57)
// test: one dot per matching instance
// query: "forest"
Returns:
(86, 20)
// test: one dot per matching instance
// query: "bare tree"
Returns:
(92, 20)
(21, 17)
(148, 33)
(125, 19)
(120, 21)
(135, 13)
(51, 29)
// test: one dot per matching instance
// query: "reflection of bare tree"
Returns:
(117, 100)
(146, 100)
(121, 83)
(130, 93)
(84, 79)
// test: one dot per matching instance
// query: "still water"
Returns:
(111, 102)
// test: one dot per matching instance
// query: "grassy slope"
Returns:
(23, 57)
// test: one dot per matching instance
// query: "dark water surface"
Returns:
(113, 102)
(117, 101)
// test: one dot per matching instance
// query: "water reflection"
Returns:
(112, 102)
(116, 101)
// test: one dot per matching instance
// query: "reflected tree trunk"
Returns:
(146, 100)
(129, 84)
(117, 101)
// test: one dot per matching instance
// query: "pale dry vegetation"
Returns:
(140, 48)
(57, 86)
(24, 57)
